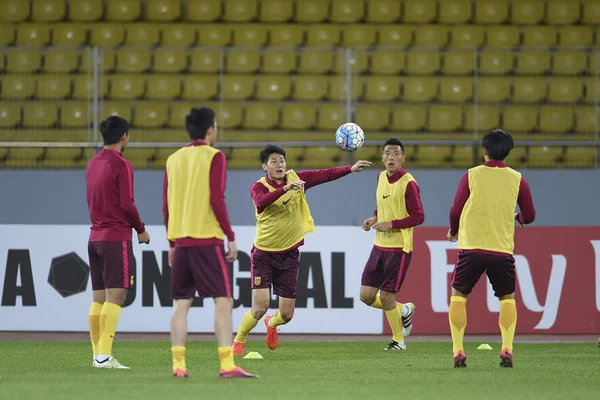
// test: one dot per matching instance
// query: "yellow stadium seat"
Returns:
(231, 113)
(85, 10)
(586, 120)
(83, 87)
(261, 115)
(48, 10)
(556, 119)
(244, 158)
(338, 89)
(581, 157)
(346, 11)
(492, 89)
(419, 11)
(7, 34)
(65, 157)
(569, 62)
(163, 10)
(13, 11)
(17, 87)
(382, 88)
(455, 11)
(467, 35)
(591, 12)
(238, 87)
(565, 90)
(205, 61)
(142, 34)
(459, 62)
(496, 62)
(298, 116)
(395, 35)
(107, 34)
(529, 90)
(408, 117)
(107, 60)
(203, 10)
(126, 87)
(330, 116)
(311, 11)
(321, 157)
(423, 62)
(150, 115)
(503, 35)
(278, 61)
(273, 87)
(519, 118)
(2, 62)
(164, 87)
(431, 36)
(527, 12)
(69, 35)
(592, 90)
(24, 61)
(544, 156)
(40, 115)
(563, 12)
(456, 90)
(323, 35)
(276, 10)
(200, 87)
(482, 118)
(420, 89)
(375, 116)
(286, 35)
(359, 35)
(491, 12)
(183, 35)
(240, 10)
(242, 61)
(10, 114)
(310, 87)
(313, 61)
(24, 157)
(131, 59)
(74, 114)
(140, 157)
(539, 36)
(576, 36)
(462, 157)
(387, 62)
(51, 87)
(359, 62)
(122, 109)
(167, 60)
(123, 10)
(250, 35)
(33, 34)
(444, 118)
(433, 156)
(533, 63)
(178, 112)
(383, 11)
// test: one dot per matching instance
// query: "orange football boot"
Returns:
(272, 336)
(238, 349)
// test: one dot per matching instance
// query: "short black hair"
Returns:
(498, 144)
(394, 142)
(113, 128)
(199, 121)
(268, 150)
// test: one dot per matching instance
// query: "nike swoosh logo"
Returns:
(385, 197)
(286, 201)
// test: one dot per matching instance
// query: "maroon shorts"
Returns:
(386, 270)
(202, 269)
(277, 269)
(500, 270)
(112, 265)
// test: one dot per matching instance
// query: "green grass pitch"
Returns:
(300, 370)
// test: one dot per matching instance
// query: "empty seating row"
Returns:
(152, 34)
(343, 11)
(296, 116)
(302, 87)
(305, 61)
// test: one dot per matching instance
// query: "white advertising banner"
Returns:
(46, 285)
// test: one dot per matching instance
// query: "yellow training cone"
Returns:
(253, 355)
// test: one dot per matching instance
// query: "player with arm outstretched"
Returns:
(283, 218)
(483, 216)
(399, 210)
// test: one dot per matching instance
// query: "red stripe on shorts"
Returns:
(125, 265)
(252, 267)
(401, 271)
(224, 271)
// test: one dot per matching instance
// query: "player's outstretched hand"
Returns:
(144, 237)
(360, 165)
(450, 237)
(369, 222)
(294, 185)
(517, 219)
(382, 226)
(232, 252)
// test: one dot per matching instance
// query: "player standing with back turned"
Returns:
(483, 216)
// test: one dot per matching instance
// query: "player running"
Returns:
(483, 216)
(399, 210)
(197, 222)
(109, 180)
(282, 219)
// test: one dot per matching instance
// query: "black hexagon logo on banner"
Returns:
(69, 274)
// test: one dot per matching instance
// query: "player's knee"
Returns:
(367, 298)
(286, 314)
(259, 311)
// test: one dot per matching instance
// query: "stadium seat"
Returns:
(502, 35)
(23, 61)
(359, 35)
(311, 11)
(24, 157)
(140, 157)
(150, 115)
(165, 87)
(10, 114)
(330, 116)
(203, 10)
(581, 157)
(431, 36)
(462, 157)
(244, 158)
(17, 87)
(563, 12)
(40, 114)
(278, 61)
(586, 120)
(85, 10)
(13, 11)
(178, 112)
(141, 34)
(126, 87)
(83, 87)
(338, 89)
(539, 36)
(395, 35)
(323, 35)
(565, 90)
(420, 89)
(286, 35)
(238, 87)
(167, 60)
(455, 11)
(240, 10)
(467, 35)
(423, 62)
(519, 118)
(487, 118)
(459, 62)
(107, 60)
(122, 109)
(492, 89)
(2, 62)
(419, 11)
(556, 119)
(37, 34)
(433, 156)
(529, 90)
(161, 155)
(7, 34)
(231, 113)
(273, 87)
(569, 62)
(444, 118)
(527, 12)
(576, 36)
(310, 87)
(261, 115)
(205, 61)
(456, 89)
(123, 10)
(382, 88)
(242, 61)
(408, 117)
(163, 10)
(183, 35)
(387, 62)
(74, 114)
(591, 12)
(592, 90)
(200, 87)
(69, 34)
(131, 59)
(491, 12)
(347, 11)
(517, 156)
(321, 157)
(298, 116)
(276, 10)
(383, 11)
(107, 34)
(543, 156)
(359, 62)
(63, 157)
(48, 10)
(313, 61)
(53, 87)
(532, 63)
(375, 116)
(250, 35)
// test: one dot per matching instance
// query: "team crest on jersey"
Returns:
(257, 281)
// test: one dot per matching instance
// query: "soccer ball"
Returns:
(349, 137)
